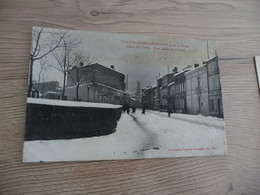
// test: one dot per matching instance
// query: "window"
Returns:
(211, 105)
(198, 81)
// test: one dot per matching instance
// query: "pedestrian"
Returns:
(143, 110)
(133, 109)
(124, 107)
(33, 93)
(169, 111)
(37, 94)
(127, 109)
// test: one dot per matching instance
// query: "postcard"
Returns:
(257, 65)
(110, 96)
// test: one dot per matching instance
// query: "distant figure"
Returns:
(37, 94)
(127, 108)
(143, 109)
(133, 109)
(169, 111)
(33, 94)
(124, 107)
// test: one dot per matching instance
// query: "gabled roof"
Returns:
(110, 69)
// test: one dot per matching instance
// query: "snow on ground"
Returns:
(199, 119)
(71, 103)
(189, 137)
(153, 135)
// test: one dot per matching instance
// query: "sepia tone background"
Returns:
(235, 24)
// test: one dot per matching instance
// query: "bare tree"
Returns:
(65, 58)
(43, 43)
(76, 73)
(44, 64)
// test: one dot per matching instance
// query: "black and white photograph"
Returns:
(109, 96)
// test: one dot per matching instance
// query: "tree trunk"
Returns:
(94, 94)
(77, 92)
(30, 78)
(63, 87)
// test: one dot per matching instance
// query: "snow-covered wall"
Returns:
(55, 119)
(71, 103)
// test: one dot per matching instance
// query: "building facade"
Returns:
(197, 91)
(46, 90)
(46, 86)
(98, 84)
(163, 91)
(99, 74)
(215, 94)
(193, 90)
(148, 97)
(203, 89)
(177, 92)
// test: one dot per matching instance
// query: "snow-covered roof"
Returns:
(52, 92)
(170, 84)
(180, 72)
(71, 103)
(148, 88)
(118, 90)
(194, 69)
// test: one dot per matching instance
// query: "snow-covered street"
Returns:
(153, 135)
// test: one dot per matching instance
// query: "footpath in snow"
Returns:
(153, 135)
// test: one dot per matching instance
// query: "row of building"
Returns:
(46, 90)
(97, 83)
(193, 90)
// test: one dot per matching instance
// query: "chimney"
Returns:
(196, 65)
(175, 70)
(112, 67)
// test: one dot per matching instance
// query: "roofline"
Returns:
(212, 59)
(200, 67)
(106, 68)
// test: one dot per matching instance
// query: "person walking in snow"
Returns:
(127, 108)
(169, 111)
(143, 110)
(133, 109)
(124, 107)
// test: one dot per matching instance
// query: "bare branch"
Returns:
(51, 50)
(37, 40)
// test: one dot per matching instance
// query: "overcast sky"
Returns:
(138, 63)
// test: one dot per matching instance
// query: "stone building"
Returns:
(46, 90)
(197, 91)
(98, 84)
(149, 98)
(215, 94)
(46, 86)
(203, 89)
(163, 91)
(99, 74)
(177, 92)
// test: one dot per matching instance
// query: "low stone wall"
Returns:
(47, 122)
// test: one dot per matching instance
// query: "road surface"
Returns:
(139, 136)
